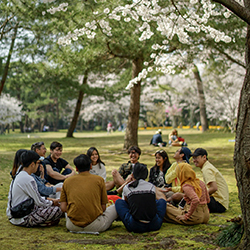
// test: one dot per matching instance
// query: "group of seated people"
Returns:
(173, 139)
(173, 193)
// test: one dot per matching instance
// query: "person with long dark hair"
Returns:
(17, 162)
(23, 188)
(42, 185)
(98, 166)
(140, 211)
(158, 171)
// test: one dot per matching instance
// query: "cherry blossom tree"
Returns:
(10, 110)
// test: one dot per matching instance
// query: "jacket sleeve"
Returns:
(42, 188)
(32, 191)
(171, 174)
(151, 174)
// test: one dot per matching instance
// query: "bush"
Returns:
(98, 128)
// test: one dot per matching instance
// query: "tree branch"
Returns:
(240, 63)
(236, 8)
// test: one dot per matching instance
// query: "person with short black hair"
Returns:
(55, 164)
(140, 212)
(123, 175)
(23, 187)
(84, 199)
(216, 184)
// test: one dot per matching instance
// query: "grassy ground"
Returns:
(170, 236)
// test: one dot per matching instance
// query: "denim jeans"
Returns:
(135, 226)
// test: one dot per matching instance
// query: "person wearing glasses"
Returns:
(55, 165)
(44, 187)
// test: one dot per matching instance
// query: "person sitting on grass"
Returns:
(172, 192)
(174, 140)
(44, 190)
(44, 187)
(84, 199)
(196, 196)
(97, 165)
(140, 211)
(23, 187)
(158, 171)
(123, 175)
(216, 183)
(157, 139)
(55, 164)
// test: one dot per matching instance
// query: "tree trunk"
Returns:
(21, 127)
(6, 68)
(77, 109)
(131, 136)
(202, 103)
(242, 149)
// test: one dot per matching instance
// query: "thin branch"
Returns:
(240, 63)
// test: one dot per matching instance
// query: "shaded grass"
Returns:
(220, 153)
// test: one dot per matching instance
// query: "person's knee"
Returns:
(67, 171)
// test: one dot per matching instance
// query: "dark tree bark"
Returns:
(77, 109)
(242, 150)
(242, 140)
(6, 68)
(131, 136)
(202, 103)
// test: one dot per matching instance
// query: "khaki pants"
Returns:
(100, 224)
(199, 216)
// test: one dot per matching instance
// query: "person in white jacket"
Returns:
(23, 186)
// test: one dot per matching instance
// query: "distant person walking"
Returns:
(109, 128)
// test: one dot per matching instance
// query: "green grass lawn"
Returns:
(170, 236)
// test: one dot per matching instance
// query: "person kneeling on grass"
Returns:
(23, 187)
(196, 196)
(140, 211)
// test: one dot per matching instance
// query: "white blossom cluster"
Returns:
(222, 95)
(168, 22)
(48, 1)
(10, 109)
(53, 10)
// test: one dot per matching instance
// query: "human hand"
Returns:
(56, 202)
(165, 190)
(129, 178)
(181, 217)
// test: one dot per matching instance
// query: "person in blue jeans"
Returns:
(140, 211)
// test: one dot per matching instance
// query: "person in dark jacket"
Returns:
(157, 139)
